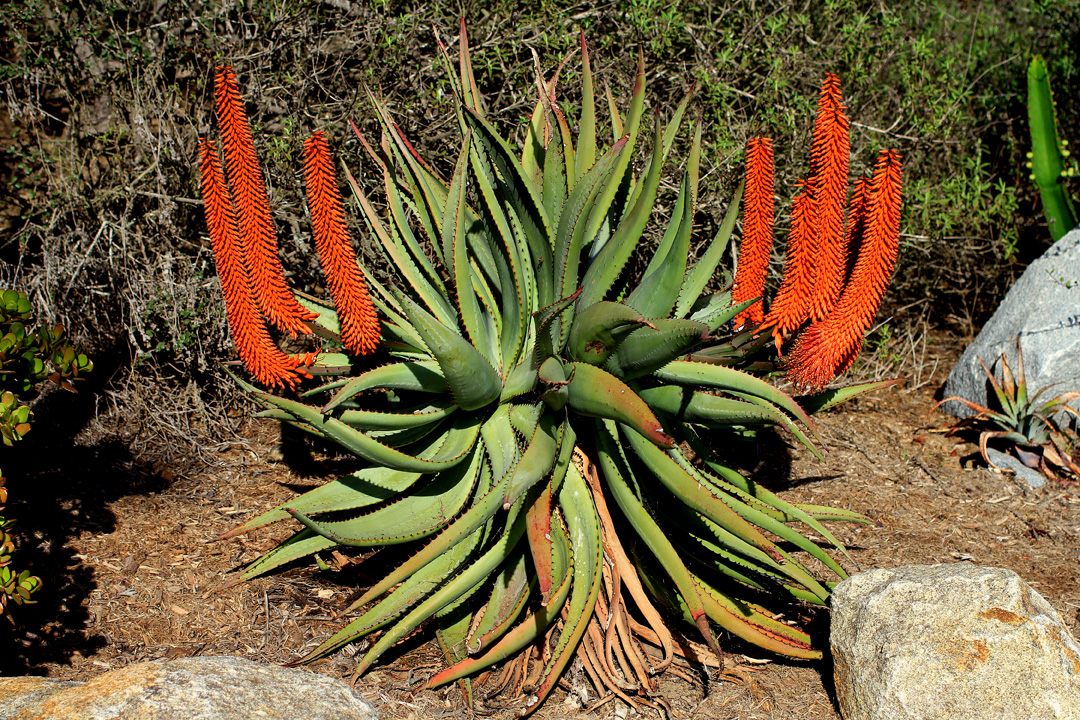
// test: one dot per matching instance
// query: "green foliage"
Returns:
(522, 427)
(29, 356)
(15, 586)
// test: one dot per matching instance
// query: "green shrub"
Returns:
(30, 355)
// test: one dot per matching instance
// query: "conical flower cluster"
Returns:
(263, 359)
(829, 346)
(256, 227)
(758, 207)
(359, 323)
(817, 289)
(244, 243)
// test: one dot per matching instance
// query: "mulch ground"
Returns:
(131, 575)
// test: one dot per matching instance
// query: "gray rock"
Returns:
(951, 642)
(17, 693)
(1042, 309)
(1034, 478)
(205, 688)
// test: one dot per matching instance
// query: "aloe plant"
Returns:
(1036, 429)
(1049, 156)
(548, 455)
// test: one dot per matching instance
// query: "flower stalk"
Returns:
(758, 209)
(829, 157)
(829, 347)
(359, 323)
(266, 362)
(254, 223)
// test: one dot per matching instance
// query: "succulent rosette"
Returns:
(545, 434)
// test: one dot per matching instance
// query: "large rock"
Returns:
(951, 642)
(1042, 309)
(27, 693)
(210, 688)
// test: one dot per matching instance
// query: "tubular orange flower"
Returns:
(359, 324)
(758, 203)
(829, 155)
(263, 359)
(255, 226)
(791, 307)
(829, 347)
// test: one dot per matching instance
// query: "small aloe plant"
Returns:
(1030, 424)
(543, 433)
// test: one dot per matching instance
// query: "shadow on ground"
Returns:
(60, 488)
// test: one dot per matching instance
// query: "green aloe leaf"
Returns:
(537, 459)
(500, 442)
(649, 348)
(809, 515)
(726, 511)
(414, 587)
(472, 380)
(578, 214)
(455, 246)
(418, 417)
(609, 262)
(604, 202)
(616, 471)
(518, 285)
(831, 398)
(586, 149)
(658, 291)
(598, 329)
(583, 527)
(710, 545)
(396, 206)
(723, 378)
(596, 393)
(400, 257)
(416, 376)
(525, 199)
(507, 601)
(408, 518)
(460, 440)
(482, 510)
(698, 276)
(368, 486)
(302, 544)
(466, 580)
(534, 624)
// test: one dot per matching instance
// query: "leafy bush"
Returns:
(29, 356)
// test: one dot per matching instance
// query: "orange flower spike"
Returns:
(359, 323)
(256, 227)
(758, 208)
(791, 307)
(263, 359)
(830, 346)
(830, 152)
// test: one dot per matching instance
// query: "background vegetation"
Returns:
(101, 103)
